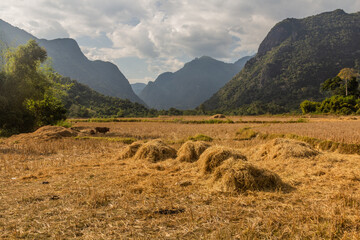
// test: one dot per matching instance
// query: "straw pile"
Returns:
(240, 176)
(45, 133)
(155, 151)
(130, 150)
(213, 157)
(190, 151)
(286, 148)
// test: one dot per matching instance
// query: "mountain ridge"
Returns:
(295, 57)
(69, 61)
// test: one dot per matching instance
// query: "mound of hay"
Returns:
(190, 151)
(214, 156)
(45, 133)
(287, 148)
(239, 176)
(130, 150)
(219, 116)
(155, 151)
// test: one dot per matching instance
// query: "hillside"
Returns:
(138, 87)
(293, 60)
(82, 101)
(197, 81)
(69, 61)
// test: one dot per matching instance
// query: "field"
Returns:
(82, 186)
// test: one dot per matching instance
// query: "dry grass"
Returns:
(130, 150)
(286, 148)
(155, 151)
(214, 156)
(191, 151)
(342, 131)
(239, 176)
(70, 188)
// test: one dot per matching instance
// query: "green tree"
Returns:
(334, 86)
(46, 111)
(25, 89)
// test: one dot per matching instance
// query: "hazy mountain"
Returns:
(296, 56)
(242, 61)
(138, 87)
(69, 61)
(197, 81)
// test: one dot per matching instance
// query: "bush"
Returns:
(63, 123)
(308, 106)
(47, 111)
(340, 105)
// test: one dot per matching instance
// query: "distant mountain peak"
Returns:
(190, 85)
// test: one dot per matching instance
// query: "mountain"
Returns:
(138, 87)
(69, 61)
(242, 61)
(82, 101)
(197, 81)
(293, 60)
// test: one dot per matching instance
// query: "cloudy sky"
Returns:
(148, 37)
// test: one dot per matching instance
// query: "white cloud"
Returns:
(163, 32)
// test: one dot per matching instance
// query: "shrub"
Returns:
(308, 106)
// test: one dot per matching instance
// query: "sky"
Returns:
(145, 38)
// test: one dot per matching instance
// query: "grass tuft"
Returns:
(201, 137)
(245, 133)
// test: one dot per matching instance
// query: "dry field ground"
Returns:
(88, 187)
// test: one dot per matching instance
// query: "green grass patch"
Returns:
(64, 123)
(201, 137)
(245, 133)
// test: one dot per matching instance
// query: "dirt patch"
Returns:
(155, 151)
(45, 133)
(190, 151)
(240, 176)
(213, 157)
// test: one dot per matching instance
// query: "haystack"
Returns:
(213, 157)
(45, 133)
(239, 176)
(219, 116)
(155, 151)
(130, 150)
(286, 148)
(190, 151)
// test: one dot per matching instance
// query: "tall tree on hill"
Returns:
(347, 74)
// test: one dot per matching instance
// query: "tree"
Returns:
(347, 74)
(27, 96)
(334, 86)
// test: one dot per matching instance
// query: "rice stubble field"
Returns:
(147, 180)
